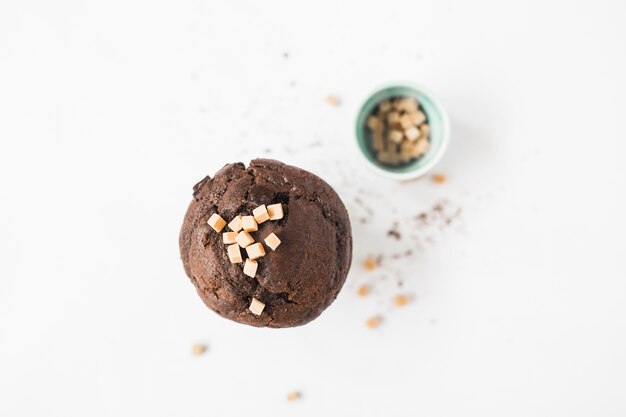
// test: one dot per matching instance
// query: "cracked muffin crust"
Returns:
(297, 281)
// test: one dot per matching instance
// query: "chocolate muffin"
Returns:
(299, 279)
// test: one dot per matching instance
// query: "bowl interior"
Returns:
(434, 115)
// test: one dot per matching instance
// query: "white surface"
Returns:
(111, 111)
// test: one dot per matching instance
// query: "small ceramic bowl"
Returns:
(439, 131)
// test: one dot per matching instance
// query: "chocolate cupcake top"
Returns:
(293, 283)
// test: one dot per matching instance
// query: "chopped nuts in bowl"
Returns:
(402, 131)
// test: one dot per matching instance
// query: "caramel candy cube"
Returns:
(249, 224)
(244, 239)
(374, 123)
(405, 121)
(418, 118)
(229, 237)
(405, 157)
(275, 211)
(235, 224)
(388, 157)
(408, 104)
(378, 142)
(395, 136)
(234, 254)
(260, 214)
(255, 251)
(384, 106)
(425, 130)
(421, 147)
(256, 307)
(393, 117)
(216, 222)
(272, 241)
(249, 268)
(412, 133)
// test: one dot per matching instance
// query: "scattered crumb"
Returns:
(406, 254)
(439, 178)
(394, 232)
(294, 396)
(333, 100)
(370, 263)
(401, 300)
(373, 322)
(198, 349)
(363, 290)
(285, 55)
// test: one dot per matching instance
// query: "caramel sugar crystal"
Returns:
(198, 349)
(333, 100)
(244, 239)
(373, 322)
(439, 178)
(255, 251)
(370, 263)
(401, 300)
(229, 237)
(256, 307)
(275, 211)
(294, 396)
(235, 225)
(424, 130)
(234, 254)
(260, 214)
(272, 241)
(249, 224)
(249, 268)
(216, 222)
(363, 290)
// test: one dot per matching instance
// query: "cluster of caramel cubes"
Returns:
(400, 131)
(239, 238)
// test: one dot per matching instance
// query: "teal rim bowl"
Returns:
(439, 131)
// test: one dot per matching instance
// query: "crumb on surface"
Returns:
(294, 395)
(333, 100)
(394, 233)
(439, 178)
(198, 349)
(401, 300)
(363, 290)
(374, 322)
(370, 263)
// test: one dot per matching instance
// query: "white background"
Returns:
(111, 111)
